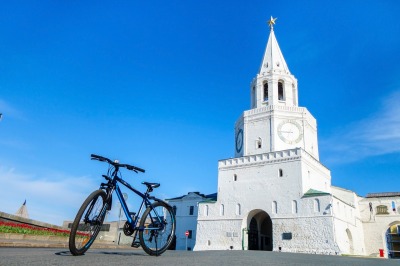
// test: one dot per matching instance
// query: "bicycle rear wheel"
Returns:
(87, 223)
(157, 228)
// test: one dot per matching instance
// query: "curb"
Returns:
(30, 242)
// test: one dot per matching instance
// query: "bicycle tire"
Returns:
(83, 233)
(156, 241)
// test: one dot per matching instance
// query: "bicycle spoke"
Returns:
(87, 223)
(159, 228)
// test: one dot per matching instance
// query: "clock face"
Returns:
(239, 140)
(290, 132)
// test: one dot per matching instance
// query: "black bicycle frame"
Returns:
(113, 186)
(145, 201)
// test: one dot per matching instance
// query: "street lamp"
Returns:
(118, 236)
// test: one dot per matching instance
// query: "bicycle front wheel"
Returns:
(87, 223)
(157, 228)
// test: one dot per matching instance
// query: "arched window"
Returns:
(316, 205)
(235, 177)
(281, 95)
(266, 91)
(221, 210)
(238, 209)
(280, 172)
(294, 206)
(274, 207)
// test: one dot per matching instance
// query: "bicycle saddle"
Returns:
(151, 185)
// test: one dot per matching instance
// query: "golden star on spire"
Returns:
(271, 22)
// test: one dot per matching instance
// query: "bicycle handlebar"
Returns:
(127, 166)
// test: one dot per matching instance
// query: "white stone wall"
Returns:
(220, 234)
(314, 174)
(254, 183)
(311, 229)
(313, 234)
(258, 181)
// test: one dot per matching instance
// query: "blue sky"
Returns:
(160, 85)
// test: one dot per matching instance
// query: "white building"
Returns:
(275, 194)
(186, 211)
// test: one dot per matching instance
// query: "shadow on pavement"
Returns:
(67, 253)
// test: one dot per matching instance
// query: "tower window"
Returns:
(274, 207)
(235, 177)
(294, 206)
(266, 91)
(281, 96)
(221, 210)
(316, 205)
(280, 172)
(238, 209)
(191, 210)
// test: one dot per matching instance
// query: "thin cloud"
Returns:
(376, 135)
(48, 200)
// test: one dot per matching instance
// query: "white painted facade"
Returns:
(186, 211)
(275, 194)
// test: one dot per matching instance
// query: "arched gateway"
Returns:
(393, 240)
(259, 231)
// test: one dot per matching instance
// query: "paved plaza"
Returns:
(120, 257)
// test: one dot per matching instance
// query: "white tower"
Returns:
(275, 122)
(275, 192)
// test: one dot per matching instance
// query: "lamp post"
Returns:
(125, 195)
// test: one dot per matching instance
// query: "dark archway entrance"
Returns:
(260, 231)
(253, 235)
(393, 240)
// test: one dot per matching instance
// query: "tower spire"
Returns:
(273, 60)
(23, 211)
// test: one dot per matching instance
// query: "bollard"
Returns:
(381, 254)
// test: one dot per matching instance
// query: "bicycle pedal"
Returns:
(135, 244)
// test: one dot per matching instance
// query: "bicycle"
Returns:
(156, 226)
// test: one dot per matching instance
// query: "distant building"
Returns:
(275, 194)
(186, 211)
(380, 213)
